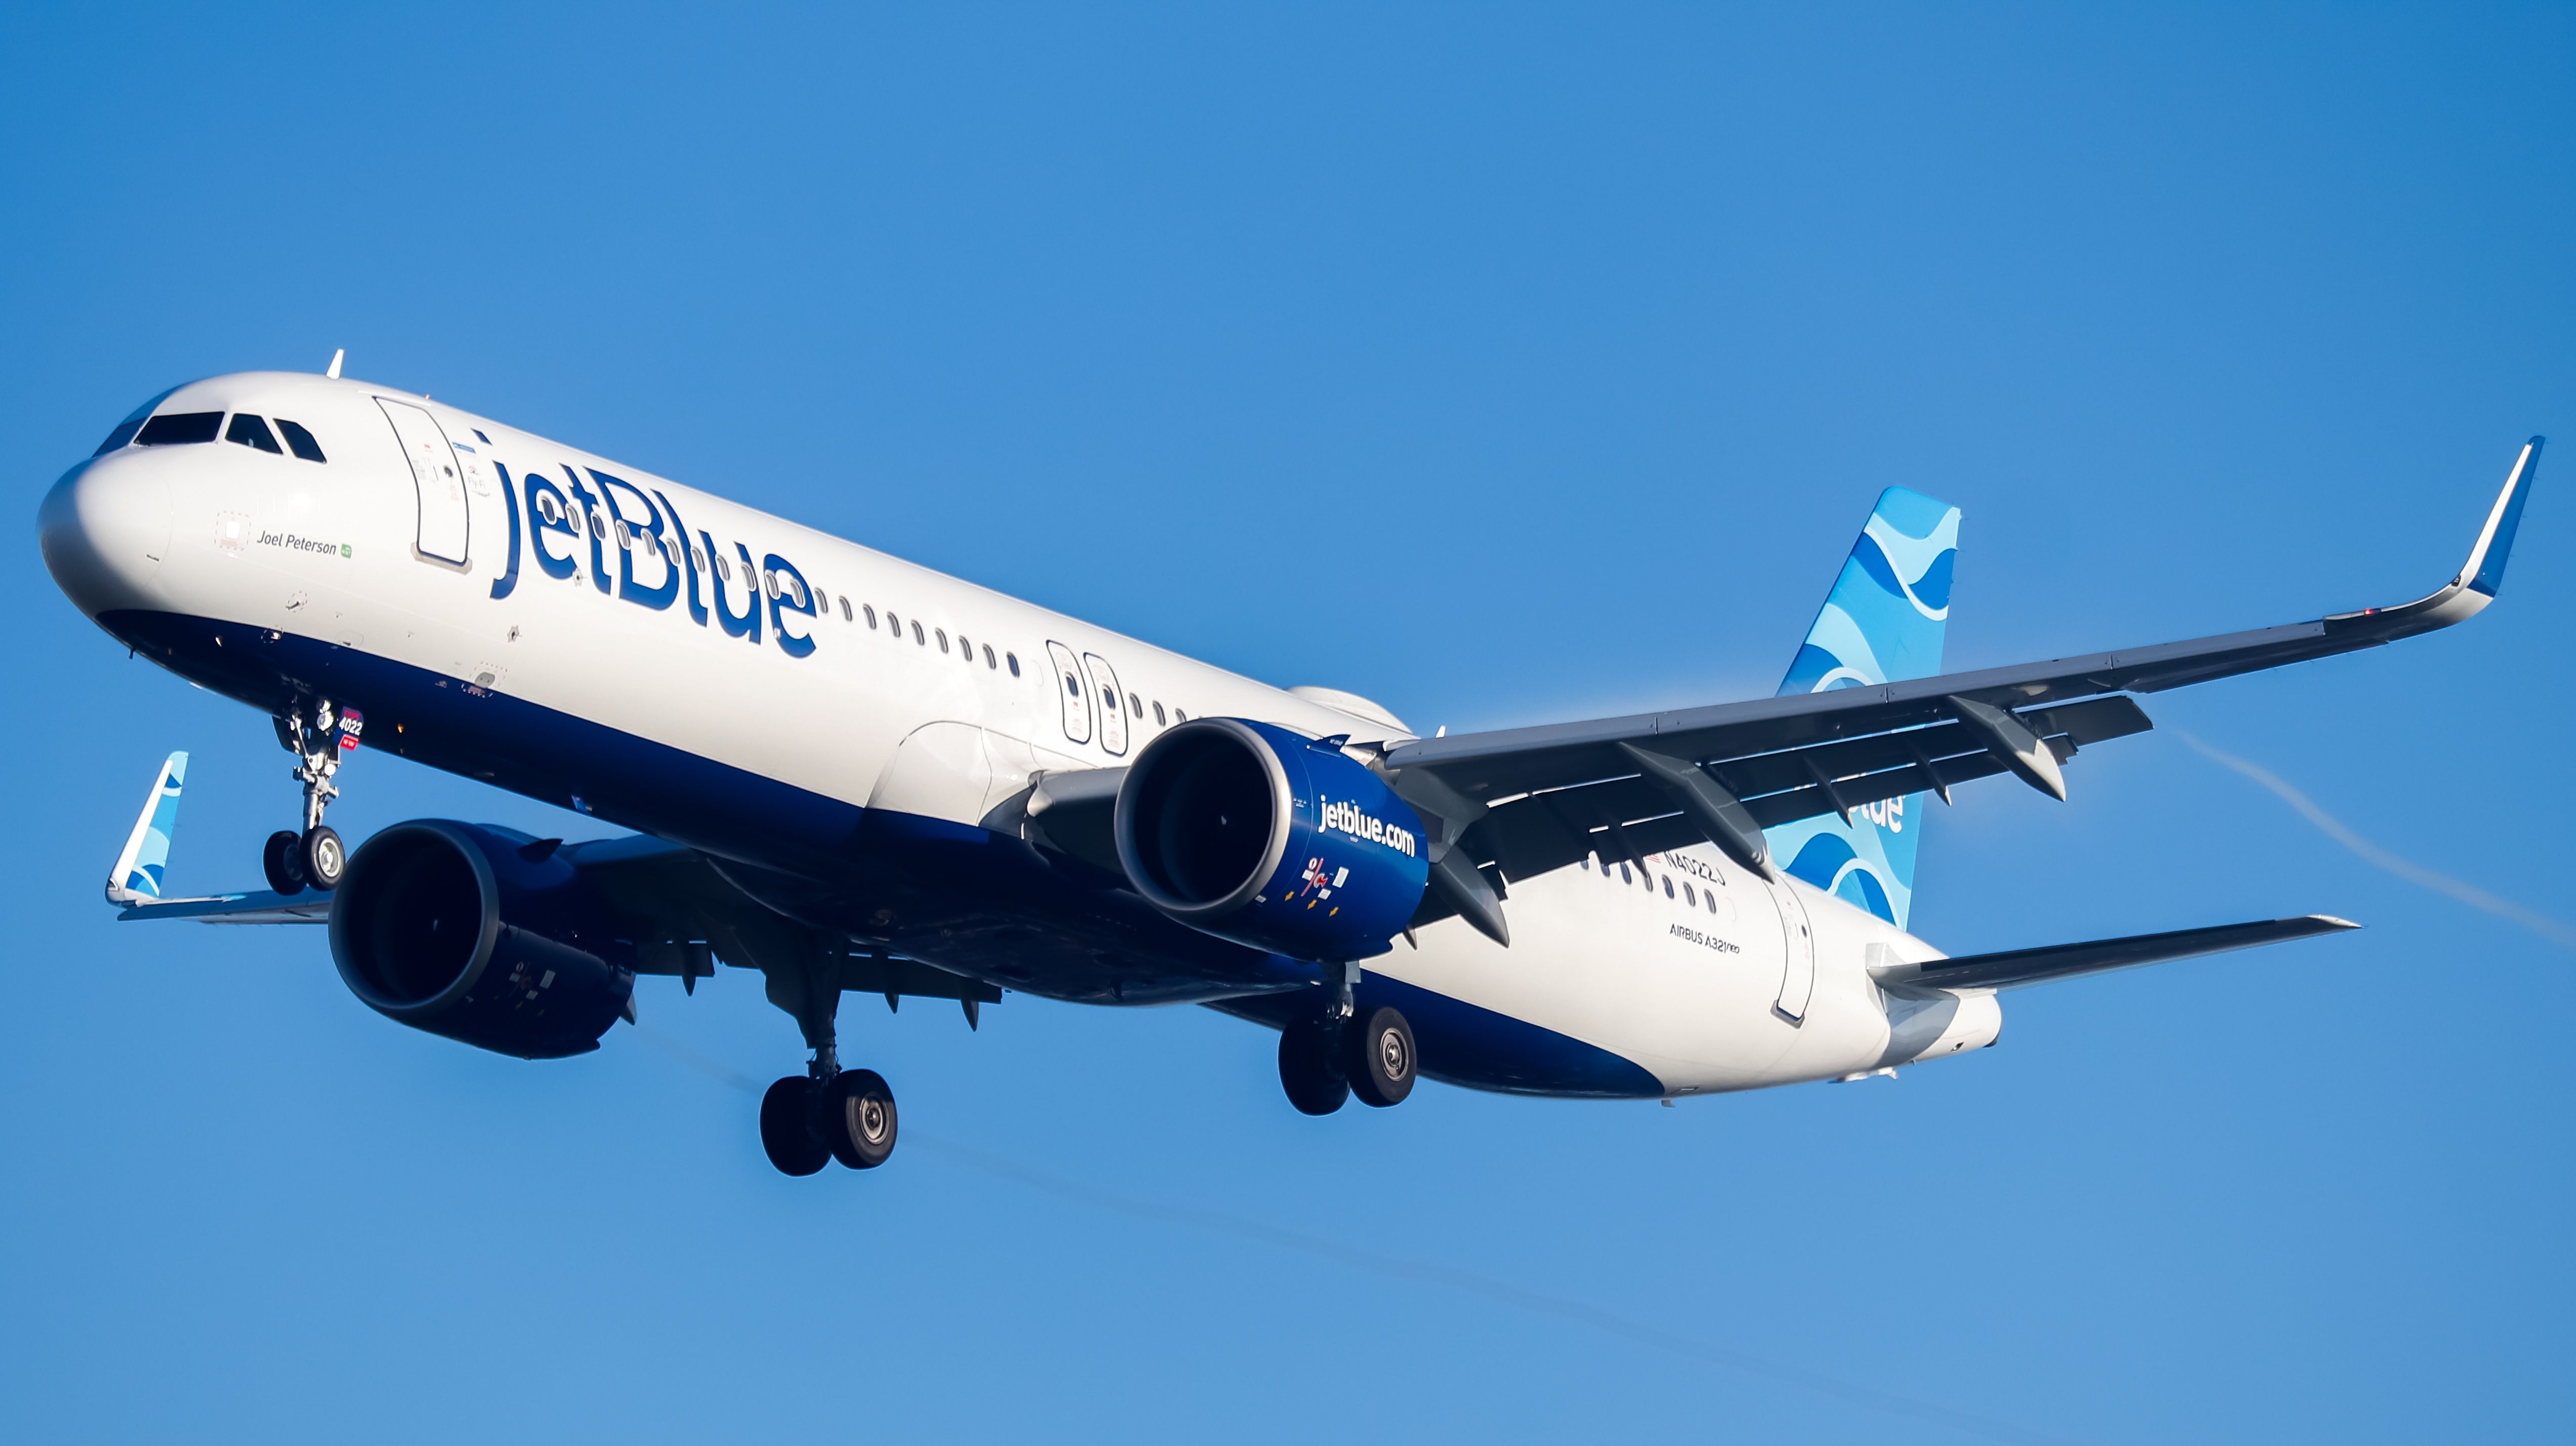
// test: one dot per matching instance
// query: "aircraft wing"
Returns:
(1521, 801)
(2016, 968)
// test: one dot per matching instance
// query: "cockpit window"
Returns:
(132, 424)
(301, 441)
(123, 434)
(172, 428)
(250, 431)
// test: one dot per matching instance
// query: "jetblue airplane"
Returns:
(852, 774)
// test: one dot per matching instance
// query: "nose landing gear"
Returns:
(314, 858)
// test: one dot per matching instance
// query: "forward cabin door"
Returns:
(436, 480)
(1798, 969)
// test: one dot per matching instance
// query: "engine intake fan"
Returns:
(1255, 834)
(455, 929)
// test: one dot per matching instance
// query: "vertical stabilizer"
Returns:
(1882, 623)
(136, 878)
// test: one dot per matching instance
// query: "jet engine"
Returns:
(487, 939)
(1255, 834)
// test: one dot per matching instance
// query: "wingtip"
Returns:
(2485, 572)
(2331, 922)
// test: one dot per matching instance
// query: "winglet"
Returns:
(136, 879)
(2485, 569)
(2468, 594)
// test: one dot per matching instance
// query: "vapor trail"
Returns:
(2371, 853)
(1396, 1267)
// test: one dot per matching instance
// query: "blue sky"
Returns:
(1500, 364)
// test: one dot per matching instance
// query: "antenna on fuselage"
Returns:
(338, 355)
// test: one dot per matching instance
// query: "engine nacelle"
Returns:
(1256, 834)
(494, 942)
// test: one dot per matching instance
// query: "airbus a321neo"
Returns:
(853, 774)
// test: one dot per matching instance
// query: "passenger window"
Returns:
(1626, 877)
(1688, 898)
(917, 639)
(697, 559)
(1015, 663)
(1158, 713)
(1180, 717)
(172, 429)
(1711, 901)
(301, 443)
(845, 612)
(724, 569)
(943, 638)
(1668, 886)
(872, 616)
(1135, 705)
(250, 431)
(988, 659)
(894, 625)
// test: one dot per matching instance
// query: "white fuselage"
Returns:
(920, 694)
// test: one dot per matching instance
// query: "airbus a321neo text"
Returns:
(856, 775)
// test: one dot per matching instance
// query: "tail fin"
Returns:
(1882, 623)
(137, 876)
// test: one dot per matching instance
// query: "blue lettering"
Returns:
(636, 538)
(784, 598)
(596, 528)
(549, 511)
(688, 559)
(747, 625)
(509, 579)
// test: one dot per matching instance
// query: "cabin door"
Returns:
(1798, 967)
(437, 481)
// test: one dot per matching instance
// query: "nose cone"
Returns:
(104, 529)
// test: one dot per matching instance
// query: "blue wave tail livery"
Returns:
(1007, 798)
(1882, 623)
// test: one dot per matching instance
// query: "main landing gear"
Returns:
(1326, 1059)
(314, 858)
(827, 1113)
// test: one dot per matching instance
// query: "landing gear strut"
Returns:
(827, 1113)
(1328, 1058)
(314, 857)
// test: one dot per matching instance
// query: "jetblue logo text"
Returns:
(1347, 818)
(639, 548)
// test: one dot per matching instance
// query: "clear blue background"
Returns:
(1503, 366)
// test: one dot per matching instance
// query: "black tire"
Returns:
(282, 859)
(1380, 1062)
(856, 1119)
(783, 1129)
(1308, 1068)
(322, 857)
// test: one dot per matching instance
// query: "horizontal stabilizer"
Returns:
(262, 907)
(2017, 967)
